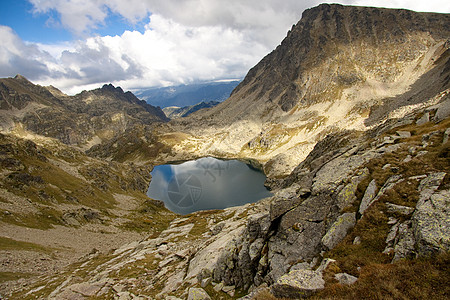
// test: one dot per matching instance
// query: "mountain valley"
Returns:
(349, 118)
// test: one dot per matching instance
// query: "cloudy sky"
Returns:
(82, 44)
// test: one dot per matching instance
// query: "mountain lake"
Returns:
(206, 183)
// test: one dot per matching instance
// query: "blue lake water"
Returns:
(206, 183)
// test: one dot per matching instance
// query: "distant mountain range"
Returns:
(174, 112)
(186, 95)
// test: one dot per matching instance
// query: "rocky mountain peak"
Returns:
(112, 88)
(21, 78)
(325, 31)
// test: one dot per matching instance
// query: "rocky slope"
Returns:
(339, 68)
(350, 118)
(349, 222)
(57, 204)
(84, 119)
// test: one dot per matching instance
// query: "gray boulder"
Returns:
(298, 284)
(404, 134)
(347, 195)
(404, 242)
(198, 294)
(299, 235)
(280, 206)
(424, 119)
(345, 278)
(443, 111)
(429, 185)
(369, 195)
(389, 184)
(431, 223)
(339, 230)
(446, 136)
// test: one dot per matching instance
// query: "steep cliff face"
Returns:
(339, 68)
(90, 116)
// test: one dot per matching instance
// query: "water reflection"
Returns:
(206, 183)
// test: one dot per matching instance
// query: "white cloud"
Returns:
(166, 53)
(17, 55)
(184, 41)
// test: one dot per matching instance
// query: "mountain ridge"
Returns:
(86, 118)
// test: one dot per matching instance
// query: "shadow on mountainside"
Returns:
(426, 87)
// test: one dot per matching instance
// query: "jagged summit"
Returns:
(21, 78)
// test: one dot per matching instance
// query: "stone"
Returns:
(298, 284)
(369, 195)
(407, 159)
(218, 228)
(125, 296)
(228, 288)
(218, 287)
(421, 153)
(399, 209)
(404, 134)
(255, 248)
(118, 288)
(300, 266)
(412, 150)
(404, 242)
(205, 282)
(392, 221)
(389, 184)
(446, 136)
(339, 230)
(431, 222)
(428, 185)
(280, 206)
(347, 195)
(297, 236)
(424, 119)
(198, 294)
(345, 278)
(86, 289)
(278, 266)
(392, 235)
(357, 240)
(443, 111)
(324, 264)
